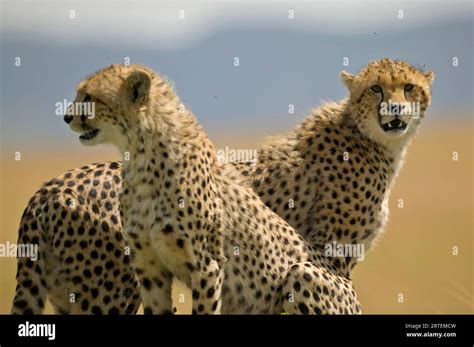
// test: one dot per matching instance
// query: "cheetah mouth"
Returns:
(394, 125)
(89, 135)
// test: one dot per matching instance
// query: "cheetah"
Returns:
(82, 266)
(185, 217)
(304, 176)
(331, 177)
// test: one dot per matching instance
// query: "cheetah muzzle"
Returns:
(89, 135)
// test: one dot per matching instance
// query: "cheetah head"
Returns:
(388, 99)
(108, 103)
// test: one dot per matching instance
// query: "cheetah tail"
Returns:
(31, 292)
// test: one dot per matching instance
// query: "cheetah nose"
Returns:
(68, 119)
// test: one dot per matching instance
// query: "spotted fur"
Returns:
(82, 266)
(304, 178)
(184, 217)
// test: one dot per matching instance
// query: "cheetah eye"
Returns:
(376, 88)
(408, 87)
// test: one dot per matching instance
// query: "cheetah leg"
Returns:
(312, 289)
(155, 283)
(31, 292)
(206, 288)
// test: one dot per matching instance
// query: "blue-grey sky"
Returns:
(283, 60)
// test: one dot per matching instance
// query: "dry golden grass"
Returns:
(414, 257)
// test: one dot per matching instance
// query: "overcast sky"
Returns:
(283, 61)
(173, 24)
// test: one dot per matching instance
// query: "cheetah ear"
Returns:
(347, 78)
(138, 87)
(429, 75)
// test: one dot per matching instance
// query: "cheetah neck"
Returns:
(162, 150)
(162, 130)
(394, 152)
